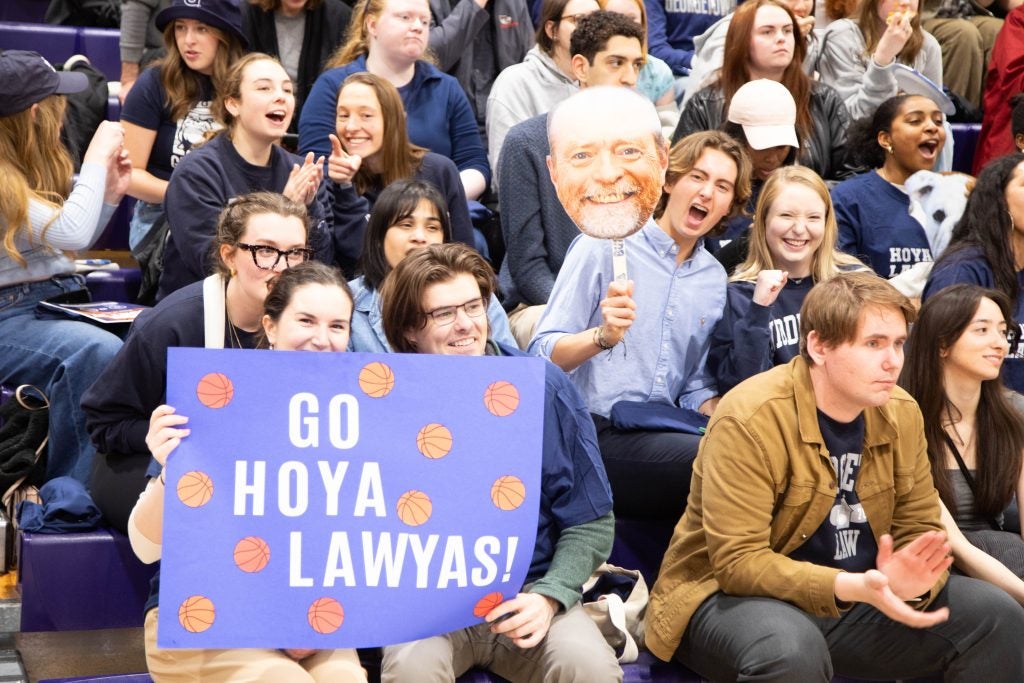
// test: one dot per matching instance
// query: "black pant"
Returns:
(734, 638)
(115, 485)
(649, 471)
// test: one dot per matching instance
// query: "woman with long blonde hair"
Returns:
(792, 247)
(43, 216)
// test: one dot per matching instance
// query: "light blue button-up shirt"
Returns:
(367, 332)
(663, 357)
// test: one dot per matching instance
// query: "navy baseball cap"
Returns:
(27, 78)
(224, 14)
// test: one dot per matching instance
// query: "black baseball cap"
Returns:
(224, 14)
(27, 78)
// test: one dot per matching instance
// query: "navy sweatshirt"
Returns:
(751, 338)
(202, 184)
(875, 225)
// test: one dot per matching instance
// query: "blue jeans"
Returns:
(61, 357)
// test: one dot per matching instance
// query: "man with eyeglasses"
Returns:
(434, 302)
(544, 77)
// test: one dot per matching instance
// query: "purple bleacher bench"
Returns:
(115, 235)
(56, 43)
(965, 141)
(114, 285)
(118, 678)
(81, 581)
(103, 48)
(23, 10)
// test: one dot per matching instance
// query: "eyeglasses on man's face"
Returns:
(446, 315)
(266, 257)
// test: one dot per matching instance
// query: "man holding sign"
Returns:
(609, 172)
(434, 302)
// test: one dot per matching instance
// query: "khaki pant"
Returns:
(572, 650)
(966, 48)
(247, 665)
(523, 321)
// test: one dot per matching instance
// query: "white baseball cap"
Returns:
(767, 112)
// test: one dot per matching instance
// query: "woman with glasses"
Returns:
(308, 308)
(973, 427)
(370, 150)
(409, 214)
(256, 107)
(258, 236)
(388, 38)
(542, 80)
(434, 302)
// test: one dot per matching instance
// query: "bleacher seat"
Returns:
(56, 43)
(115, 235)
(103, 48)
(22, 10)
(81, 581)
(114, 285)
(965, 141)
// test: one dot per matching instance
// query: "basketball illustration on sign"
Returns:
(325, 615)
(508, 492)
(414, 507)
(434, 441)
(485, 604)
(376, 379)
(196, 614)
(501, 398)
(215, 390)
(195, 489)
(252, 554)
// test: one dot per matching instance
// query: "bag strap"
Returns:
(214, 311)
(968, 476)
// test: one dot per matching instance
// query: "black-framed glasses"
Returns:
(266, 257)
(446, 315)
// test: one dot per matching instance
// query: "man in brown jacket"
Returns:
(811, 543)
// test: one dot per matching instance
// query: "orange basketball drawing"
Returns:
(195, 489)
(325, 615)
(414, 507)
(485, 604)
(376, 379)
(215, 390)
(508, 492)
(252, 554)
(501, 398)
(196, 614)
(434, 441)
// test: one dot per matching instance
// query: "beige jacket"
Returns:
(763, 483)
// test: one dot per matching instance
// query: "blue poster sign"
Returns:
(329, 500)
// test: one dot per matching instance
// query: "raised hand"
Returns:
(897, 32)
(914, 568)
(304, 180)
(769, 284)
(341, 166)
(165, 432)
(618, 310)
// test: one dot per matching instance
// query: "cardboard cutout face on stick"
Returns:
(607, 160)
